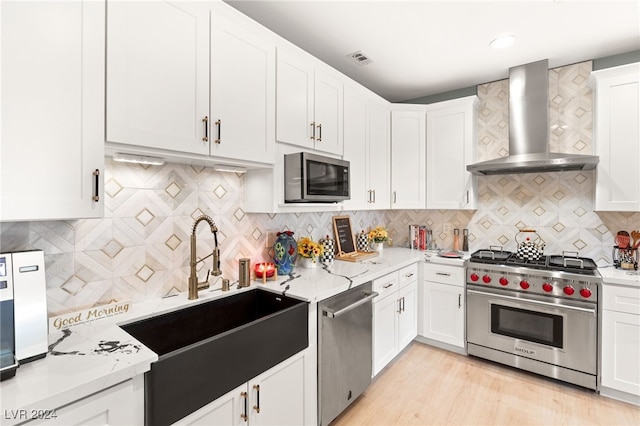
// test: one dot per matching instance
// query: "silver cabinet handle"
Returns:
(334, 314)
(374, 196)
(459, 300)
(319, 138)
(388, 285)
(444, 274)
(395, 198)
(409, 275)
(313, 131)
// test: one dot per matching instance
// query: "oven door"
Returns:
(551, 330)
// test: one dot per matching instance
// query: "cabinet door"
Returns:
(52, 110)
(621, 351)
(444, 313)
(277, 396)
(408, 316)
(355, 132)
(385, 331)
(450, 138)
(158, 74)
(112, 406)
(294, 99)
(328, 113)
(379, 155)
(242, 91)
(617, 138)
(224, 411)
(408, 159)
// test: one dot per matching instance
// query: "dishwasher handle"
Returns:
(368, 296)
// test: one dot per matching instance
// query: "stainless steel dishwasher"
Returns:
(344, 350)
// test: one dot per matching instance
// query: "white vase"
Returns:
(377, 247)
(307, 262)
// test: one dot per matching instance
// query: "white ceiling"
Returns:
(426, 47)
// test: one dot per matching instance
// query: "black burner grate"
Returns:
(563, 263)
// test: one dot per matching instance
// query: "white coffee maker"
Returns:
(23, 313)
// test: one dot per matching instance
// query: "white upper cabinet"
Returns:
(308, 103)
(242, 90)
(52, 110)
(408, 144)
(379, 154)
(617, 137)
(367, 148)
(158, 75)
(189, 78)
(451, 140)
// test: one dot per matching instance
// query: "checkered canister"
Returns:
(328, 252)
(362, 241)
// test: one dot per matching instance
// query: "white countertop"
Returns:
(611, 275)
(87, 358)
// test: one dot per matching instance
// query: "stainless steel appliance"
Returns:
(344, 350)
(312, 178)
(529, 129)
(538, 315)
(25, 271)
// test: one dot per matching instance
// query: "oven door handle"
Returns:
(536, 302)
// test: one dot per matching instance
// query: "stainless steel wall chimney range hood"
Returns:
(529, 129)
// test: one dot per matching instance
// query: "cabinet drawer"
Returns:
(444, 274)
(621, 299)
(385, 285)
(407, 275)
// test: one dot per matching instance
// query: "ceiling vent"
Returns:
(359, 58)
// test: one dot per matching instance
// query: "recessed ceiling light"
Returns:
(502, 41)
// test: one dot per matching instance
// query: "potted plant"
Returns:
(309, 252)
(377, 236)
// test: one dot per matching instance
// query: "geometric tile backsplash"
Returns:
(140, 249)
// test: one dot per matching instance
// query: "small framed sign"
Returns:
(346, 244)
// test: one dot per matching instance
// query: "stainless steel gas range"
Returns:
(537, 315)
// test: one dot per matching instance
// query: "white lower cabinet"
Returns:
(121, 404)
(394, 315)
(275, 397)
(443, 305)
(621, 343)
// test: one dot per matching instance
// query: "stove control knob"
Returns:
(474, 277)
(547, 287)
(504, 281)
(524, 284)
(486, 279)
(568, 290)
(585, 292)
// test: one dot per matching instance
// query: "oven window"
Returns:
(527, 325)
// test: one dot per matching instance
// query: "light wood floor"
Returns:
(430, 386)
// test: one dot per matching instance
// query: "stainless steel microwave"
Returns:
(312, 178)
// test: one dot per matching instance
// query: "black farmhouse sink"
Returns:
(206, 350)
